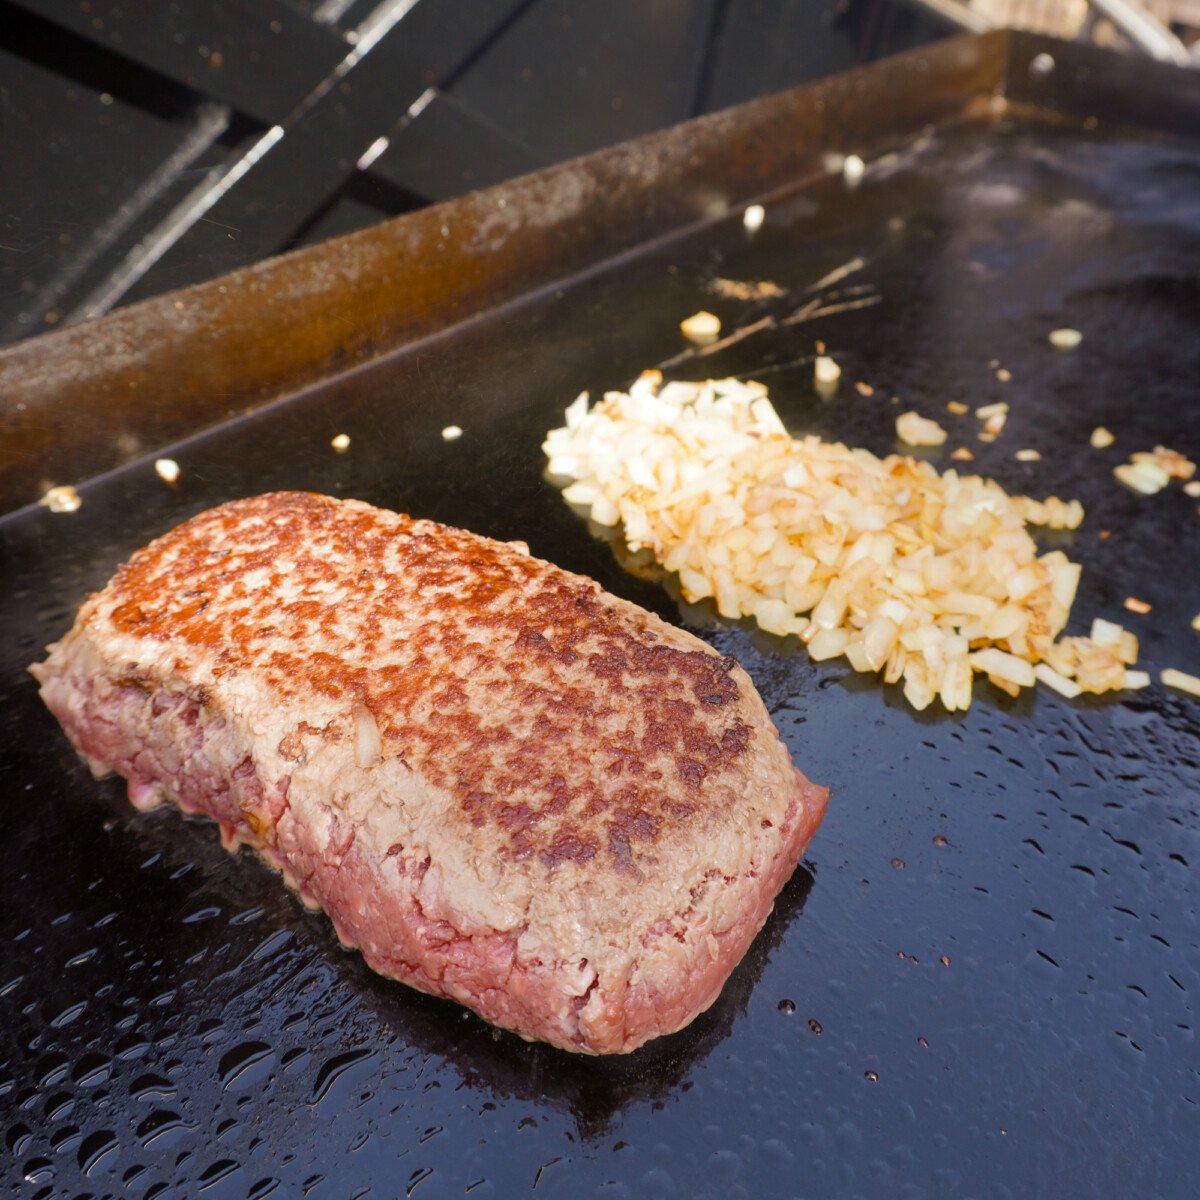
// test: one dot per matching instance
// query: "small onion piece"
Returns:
(61, 499)
(826, 374)
(1059, 683)
(1065, 339)
(1180, 680)
(916, 430)
(167, 469)
(1146, 478)
(702, 328)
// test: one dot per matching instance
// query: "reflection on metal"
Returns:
(211, 122)
(330, 12)
(181, 218)
(1143, 29)
(371, 153)
(378, 25)
(421, 103)
(381, 21)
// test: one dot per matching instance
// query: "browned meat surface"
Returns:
(503, 785)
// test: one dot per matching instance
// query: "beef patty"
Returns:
(503, 785)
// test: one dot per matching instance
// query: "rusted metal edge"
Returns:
(79, 401)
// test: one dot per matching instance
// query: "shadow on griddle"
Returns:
(495, 1064)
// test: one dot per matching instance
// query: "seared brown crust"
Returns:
(545, 763)
(424, 630)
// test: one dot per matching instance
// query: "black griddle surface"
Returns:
(981, 983)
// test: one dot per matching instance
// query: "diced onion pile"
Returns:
(927, 577)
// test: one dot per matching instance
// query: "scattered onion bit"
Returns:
(1181, 680)
(1004, 374)
(957, 407)
(916, 430)
(753, 217)
(1137, 606)
(1176, 465)
(702, 328)
(1065, 339)
(993, 417)
(61, 499)
(341, 443)
(452, 433)
(745, 289)
(924, 578)
(826, 374)
(167, 469)
(1150, 471)
(1196, 622)
(1101, 438)
(963, 454)
(1144, 478)
(1192, 489)
(864, 389)
(1027, 456)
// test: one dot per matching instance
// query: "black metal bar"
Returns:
(448, 149)
(297, 173)
(261, 57)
